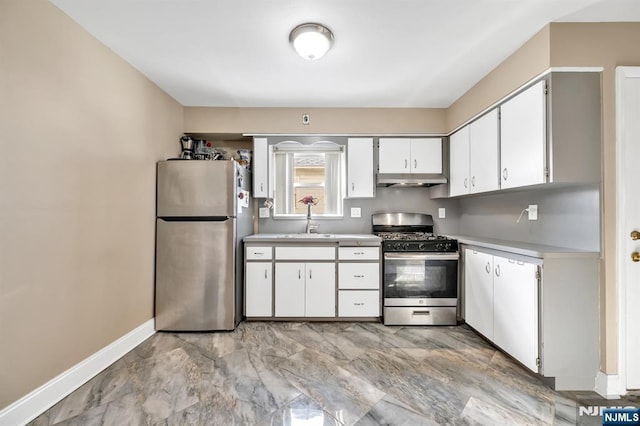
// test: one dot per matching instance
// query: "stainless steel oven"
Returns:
(420, 284)
(420, 288)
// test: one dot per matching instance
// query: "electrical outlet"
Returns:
(264, 212)
(533, 211)
(306, 119)
(356, 212)
(442, 213)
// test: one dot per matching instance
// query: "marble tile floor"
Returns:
(305, 373)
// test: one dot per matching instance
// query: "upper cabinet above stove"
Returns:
(548, 132)
(410, 161)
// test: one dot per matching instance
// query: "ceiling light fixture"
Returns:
(311, 40)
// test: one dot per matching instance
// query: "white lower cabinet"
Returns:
(501, 302)
(361, 303)
(305, 289)
(258, 289)
(478, 299)
(319, 281)
(515, 309)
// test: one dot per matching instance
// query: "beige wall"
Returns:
(323, 120)
(607, 45)
(80, 133)
(524, 64)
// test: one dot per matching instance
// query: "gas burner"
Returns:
(410, 236)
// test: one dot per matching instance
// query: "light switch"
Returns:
(442, 213)
(356, 212)
(533, 211)
(264, 212)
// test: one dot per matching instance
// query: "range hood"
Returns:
(410, 179)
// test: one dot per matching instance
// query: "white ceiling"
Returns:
(387, 53)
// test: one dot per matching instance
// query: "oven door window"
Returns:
(408, 278)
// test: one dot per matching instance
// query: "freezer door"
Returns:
(197, 188)
(195, 282)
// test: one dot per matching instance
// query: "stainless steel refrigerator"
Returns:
(203, 212)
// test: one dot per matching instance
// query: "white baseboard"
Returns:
(38, 401)
(608, 385)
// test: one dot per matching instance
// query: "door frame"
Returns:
(621, 72)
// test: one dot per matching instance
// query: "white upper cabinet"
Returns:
(484, 154)
(360, 174)
(474, 156)
(426, 155)
(459, 163)
(523, 138)
(260, 168)
(394, 155)
(405, 155)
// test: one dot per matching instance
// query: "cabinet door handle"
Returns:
(487, 268)
(261, 186)
(310, 272)
(421, 312)
(505, 173)
(466, 183)
(358, 303)
(358, 276)
(415, 164)
(299, 274)
(405, 163)
(353, 186)
(473, 181)
(497, 270)
(265, 273)
(358, 253)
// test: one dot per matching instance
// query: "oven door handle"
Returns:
(422, 256)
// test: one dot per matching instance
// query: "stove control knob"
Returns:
(406, 246)
(397, 246)
(438, 246)
(447, 246)
(421, 246)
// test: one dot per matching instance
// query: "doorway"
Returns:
(628, 223)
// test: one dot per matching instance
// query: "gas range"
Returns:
(417, 241)
(420, 285)
(411, 232)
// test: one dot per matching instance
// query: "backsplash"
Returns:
(567, 217)
(412, 200)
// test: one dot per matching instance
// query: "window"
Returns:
(300, 170)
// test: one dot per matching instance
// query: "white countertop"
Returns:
(526, 249)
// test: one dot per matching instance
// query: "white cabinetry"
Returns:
(523, 138)
(359, 282)
(305, 290)
(258, 289)
(312, 280)
(543, 306)
(405, 155)
(360, 172)
(501, 302)
(260, 168)
(459, 162)
(478, 296)
(515, 309)
(541, 132)
(474, 156)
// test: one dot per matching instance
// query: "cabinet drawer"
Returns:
(359, 303)
(359, 253)
(259, 253)
(359, 275)
(306, 253)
